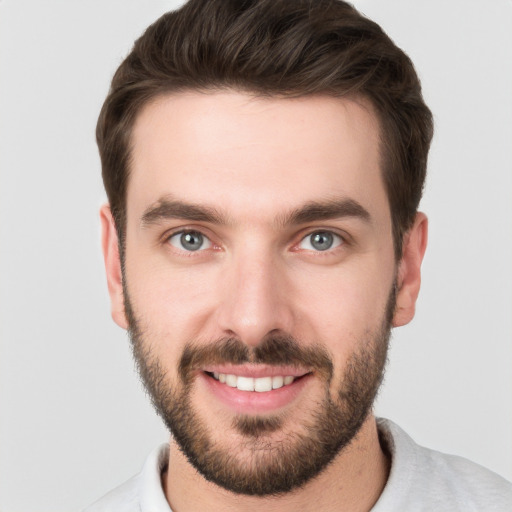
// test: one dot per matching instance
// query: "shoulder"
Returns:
(424, 479)
(141, 493)
(124, 498)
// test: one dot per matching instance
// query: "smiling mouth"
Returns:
(258, 384)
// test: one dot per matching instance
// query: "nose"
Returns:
(256, 299)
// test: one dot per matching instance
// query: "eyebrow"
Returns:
(166, 209)
(326, 210)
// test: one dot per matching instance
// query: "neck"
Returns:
(353, 482)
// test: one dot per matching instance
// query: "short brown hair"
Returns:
(284, 48)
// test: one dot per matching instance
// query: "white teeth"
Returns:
(261, 384)
(231, 380)
(245, 384)
(277, 382)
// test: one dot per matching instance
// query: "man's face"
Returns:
(259, 251)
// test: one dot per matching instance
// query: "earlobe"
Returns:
(409, 270)
(109, 242)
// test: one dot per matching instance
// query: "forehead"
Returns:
(223, 149)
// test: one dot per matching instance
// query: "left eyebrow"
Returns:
(326, 210)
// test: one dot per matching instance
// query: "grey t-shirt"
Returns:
(420, 480)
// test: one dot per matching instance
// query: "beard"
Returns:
(274, 465)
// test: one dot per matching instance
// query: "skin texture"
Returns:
(252, 163)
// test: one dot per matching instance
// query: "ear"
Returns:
(109, 243)
(409, 270)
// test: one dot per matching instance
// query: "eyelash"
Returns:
(338, 239)
(182, 232)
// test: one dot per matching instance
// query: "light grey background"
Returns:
(74, 421)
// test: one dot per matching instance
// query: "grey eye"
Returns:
(320, 241)
(190, 241)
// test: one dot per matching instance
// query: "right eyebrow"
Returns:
(165, 209)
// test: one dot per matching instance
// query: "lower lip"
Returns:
(247, 402)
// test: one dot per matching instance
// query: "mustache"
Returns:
(274, 350)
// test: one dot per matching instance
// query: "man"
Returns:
(264, 162)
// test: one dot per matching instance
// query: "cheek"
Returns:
(347, 293)
(171, 301)
(343, 308)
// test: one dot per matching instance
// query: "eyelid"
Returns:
(343, 239)
(178, 231)
(205, 241)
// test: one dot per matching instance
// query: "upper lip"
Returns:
(256, 370)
